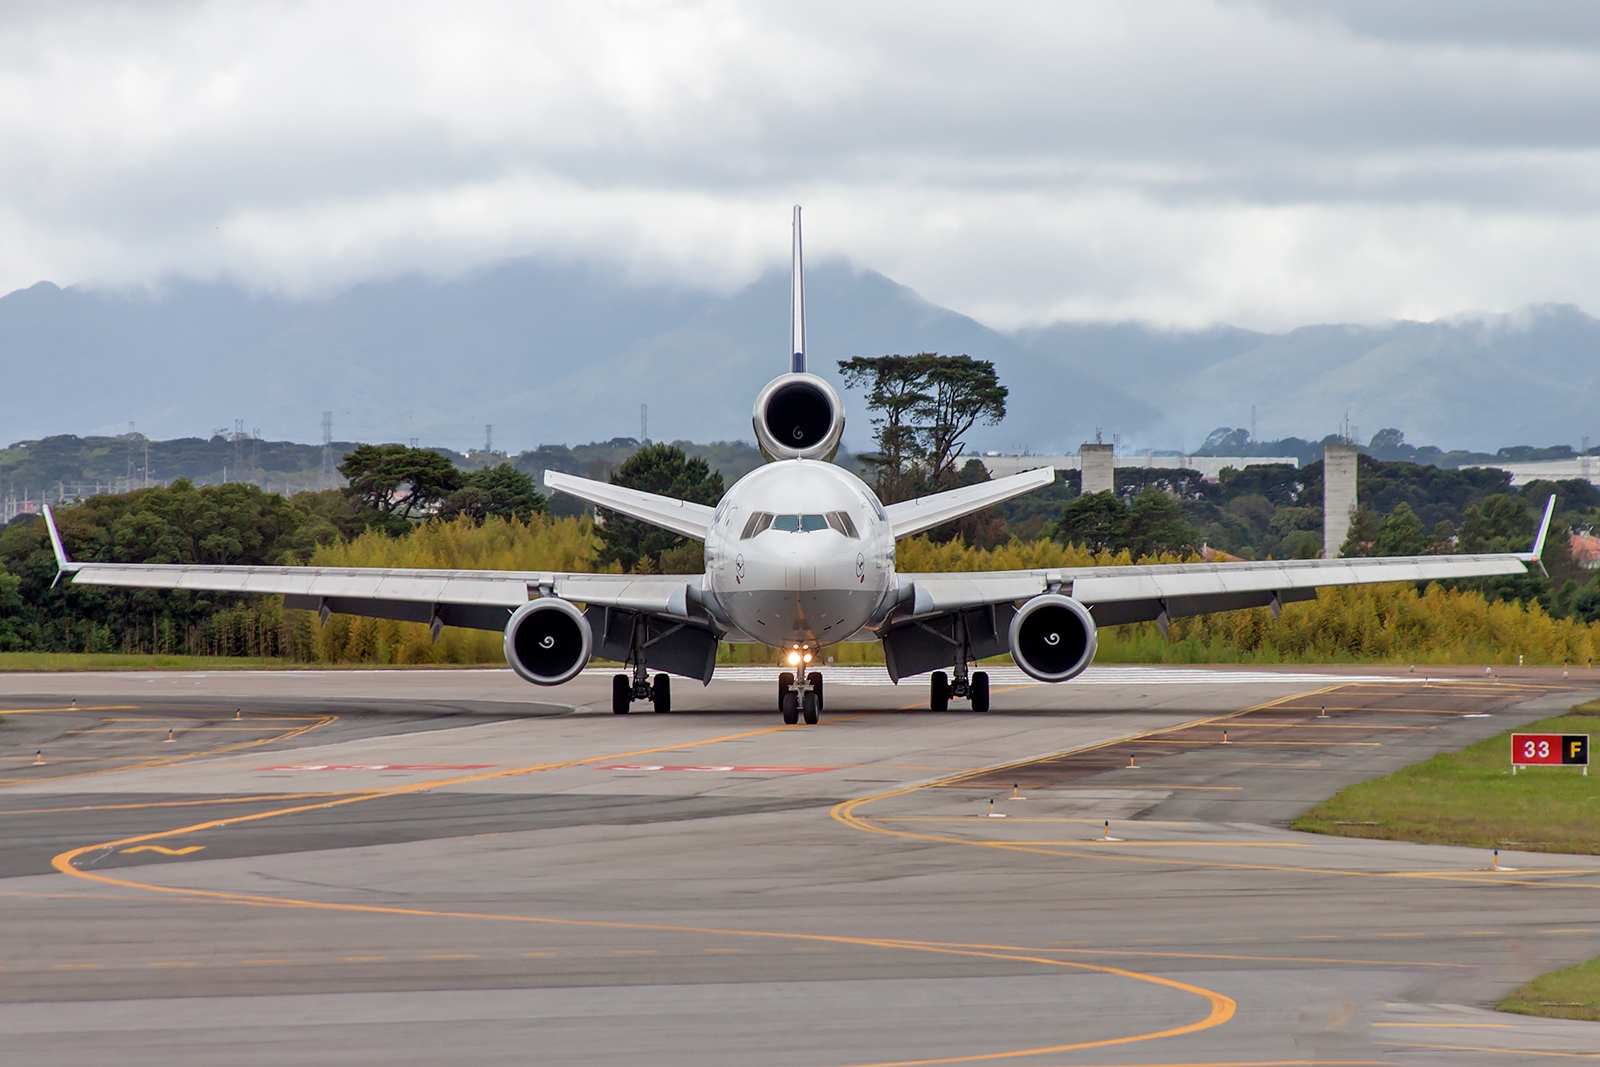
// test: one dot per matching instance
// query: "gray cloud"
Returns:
(1180, 161)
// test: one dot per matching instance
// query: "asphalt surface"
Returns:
(443, 867)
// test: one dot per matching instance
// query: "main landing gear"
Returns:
(974, 687)
(625, 690)
(800, 699)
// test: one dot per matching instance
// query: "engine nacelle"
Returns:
(548, 641)
(1053, 637)
(798, 416)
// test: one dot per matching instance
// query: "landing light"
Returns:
(794, 659)
(807, 657)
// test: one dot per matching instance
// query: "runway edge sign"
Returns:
(1550, 750)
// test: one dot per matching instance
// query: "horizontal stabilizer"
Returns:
(680, 516)
(925, 512)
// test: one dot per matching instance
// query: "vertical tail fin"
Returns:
(797, 304)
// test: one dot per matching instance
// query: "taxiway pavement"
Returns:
(448, 866)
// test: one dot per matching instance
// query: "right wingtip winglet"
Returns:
(63, 564)
(1536, 555)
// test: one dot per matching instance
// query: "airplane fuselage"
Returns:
(800, 554)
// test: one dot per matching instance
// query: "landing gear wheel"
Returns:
(785, 680)
(980, 690)
(939, 692)
(621, 694)
(810, 705)
(661, 694)
(815, 681)
(790, 708)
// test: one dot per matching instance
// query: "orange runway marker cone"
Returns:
(1131, 764)
(238, 713)
(38, 758)
(169, 739)
(1225, 738)
(992, 813)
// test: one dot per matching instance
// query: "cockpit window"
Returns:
(761, 521)
(840, 520)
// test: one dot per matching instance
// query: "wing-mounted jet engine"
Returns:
(1052, 637)
(548, 641)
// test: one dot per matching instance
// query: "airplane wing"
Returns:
(477, 599)
(925, 512)
(1167, 591)
(680, 516)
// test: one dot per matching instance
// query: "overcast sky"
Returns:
(1189, 161)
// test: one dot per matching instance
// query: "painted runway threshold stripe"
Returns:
(1220, 1008)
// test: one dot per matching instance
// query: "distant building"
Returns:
(1585, 550)
(1208, 466)
(1551, 470)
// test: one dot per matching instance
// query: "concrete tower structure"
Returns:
(1338, 496)
(1099, 470)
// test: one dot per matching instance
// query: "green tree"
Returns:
(1402, 534)
(1363, 535)
(665, 470)
(925, 404)
(1156, 525)
(398, 483)
(962, 392)
(1097, 521)
(502, 491)
(1501, 523)
(896, 387)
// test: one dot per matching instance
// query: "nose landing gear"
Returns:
(797, 699)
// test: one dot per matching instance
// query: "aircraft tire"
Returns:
(621, 694)
(939, 691)
(790, 708)
(815, 681)
(661, 694)
(785, 680)
(810, 706)
(980, 690)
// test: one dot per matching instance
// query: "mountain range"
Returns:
(552, 352)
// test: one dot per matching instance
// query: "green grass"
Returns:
(1572, 993)
(117, 661)
(1471, 798)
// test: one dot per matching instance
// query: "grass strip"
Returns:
(1471, 798)
(1570, 993)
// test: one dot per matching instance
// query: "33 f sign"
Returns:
(1542, 750)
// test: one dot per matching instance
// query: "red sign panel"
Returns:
(1550, 750)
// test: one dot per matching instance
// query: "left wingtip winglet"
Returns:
(63, 565)
(1536, 556)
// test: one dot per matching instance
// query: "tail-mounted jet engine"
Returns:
(1053, 637)
(548, 641)
(798, 416)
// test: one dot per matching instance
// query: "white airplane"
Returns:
(799, 555)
